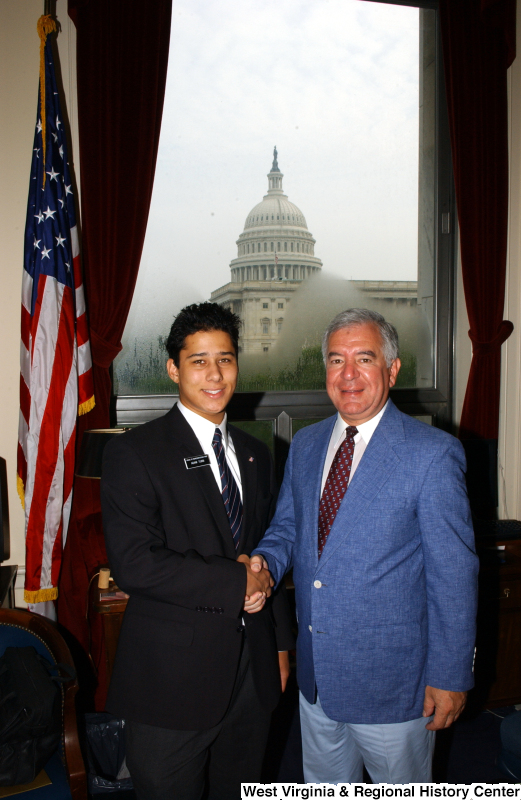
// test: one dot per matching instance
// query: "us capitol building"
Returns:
(276, 253)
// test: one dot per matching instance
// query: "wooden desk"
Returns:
(7, 579)
(498, 645)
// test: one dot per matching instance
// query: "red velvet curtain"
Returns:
(122, 56)
(478, 45)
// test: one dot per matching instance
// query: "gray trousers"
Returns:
(336, 752)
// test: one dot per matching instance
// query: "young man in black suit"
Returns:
(185, 498)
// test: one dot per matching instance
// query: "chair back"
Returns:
(13, 636)
(20, 628)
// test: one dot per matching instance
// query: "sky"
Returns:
(334, 85)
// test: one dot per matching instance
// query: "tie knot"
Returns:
(351, 431)
(217, 437)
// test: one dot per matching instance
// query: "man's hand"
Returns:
(255, 602)
(284, 668)
(257, 563)
(446, 707)
(257, 581)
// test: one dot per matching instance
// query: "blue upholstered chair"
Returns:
(65, 769)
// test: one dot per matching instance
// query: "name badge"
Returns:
(197, 461)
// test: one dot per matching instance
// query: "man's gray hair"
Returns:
(361, 316)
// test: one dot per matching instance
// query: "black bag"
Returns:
(30, 714)
(106, 754)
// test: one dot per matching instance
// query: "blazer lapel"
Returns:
(187, 446)
(310, 468)
(378, 463)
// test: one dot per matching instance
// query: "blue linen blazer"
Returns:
(390, 607)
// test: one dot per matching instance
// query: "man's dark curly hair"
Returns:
(201, 317)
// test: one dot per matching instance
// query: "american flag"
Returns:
(56, 368)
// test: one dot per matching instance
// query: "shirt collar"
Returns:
(365, 429)
(203, 428)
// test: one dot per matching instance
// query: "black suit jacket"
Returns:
(170, 548)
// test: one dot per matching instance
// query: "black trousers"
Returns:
(176, 765)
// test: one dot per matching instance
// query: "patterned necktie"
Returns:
(335, 486)
(230, 490)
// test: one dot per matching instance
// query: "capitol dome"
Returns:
(275, 253)
(275, 209)
(275, 229)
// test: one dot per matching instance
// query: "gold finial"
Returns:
(44, 26)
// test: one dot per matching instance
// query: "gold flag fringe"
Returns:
(41, 595)
(87, 406)
(21, 490)
(44, 26)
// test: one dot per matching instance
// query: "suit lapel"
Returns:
(248, 469)
(187, 446)
(378, 463)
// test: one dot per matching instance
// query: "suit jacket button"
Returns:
(310, 628)
(317, 584)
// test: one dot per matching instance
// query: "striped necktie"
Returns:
(335, 486)
(230, 490)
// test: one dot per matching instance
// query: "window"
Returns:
(265, 305)
(384, 265)
(280, 305)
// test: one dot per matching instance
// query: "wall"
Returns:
(510, 413)
(19, 46)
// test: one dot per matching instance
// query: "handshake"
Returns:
(259, 582)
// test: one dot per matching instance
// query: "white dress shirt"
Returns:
(362, 439)
(205, 430)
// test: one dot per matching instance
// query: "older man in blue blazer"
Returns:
(374, 519)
